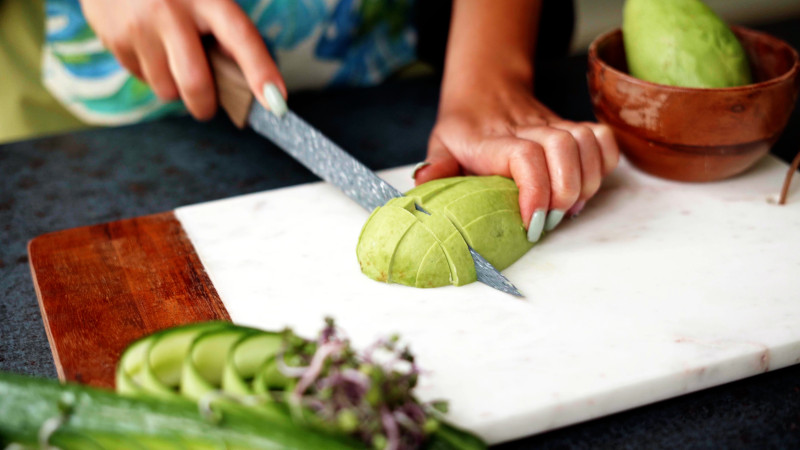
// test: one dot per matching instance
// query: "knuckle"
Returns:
(165, 91)
(604, 131)
(614, 159)
(567, 188)
(609, 147)
(196, 85)
(118, 44)
(135, 27)
(561, 140)
(584, 134)
(611, 160)
(159, 6)
(590, 187)
(243, 31)
(526, 151)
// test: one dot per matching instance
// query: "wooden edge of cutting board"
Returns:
(102, 286)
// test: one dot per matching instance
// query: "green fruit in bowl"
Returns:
(682, 43)
(399, 244)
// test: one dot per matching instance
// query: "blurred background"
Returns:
(597, 16)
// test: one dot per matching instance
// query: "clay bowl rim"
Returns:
(788, 75)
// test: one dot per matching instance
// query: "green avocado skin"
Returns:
(682, 43)
(399, 244)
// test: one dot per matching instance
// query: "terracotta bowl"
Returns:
(692, 134)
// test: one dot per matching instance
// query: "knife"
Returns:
(319, 154)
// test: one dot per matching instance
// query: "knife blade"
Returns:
(320, 155)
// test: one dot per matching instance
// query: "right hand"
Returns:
(158, 41)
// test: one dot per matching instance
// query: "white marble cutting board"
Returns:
(659, 288)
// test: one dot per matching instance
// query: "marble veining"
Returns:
(659, 288)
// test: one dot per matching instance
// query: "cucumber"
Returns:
(130, 366)
(246, 356)
(104, 420)
(204, 362)
(152, 365)
(448, 437)
(269, 378)
(232, 367)
(164, 362)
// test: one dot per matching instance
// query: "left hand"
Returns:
(497, 127)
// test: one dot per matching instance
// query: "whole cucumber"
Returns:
(94, 418)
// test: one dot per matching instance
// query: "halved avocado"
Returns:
(400, 244)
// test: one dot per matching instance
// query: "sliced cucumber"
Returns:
(246, 356)
(138, 375)
(204, 364)
(163, 365)
(191, 362)
(129, 369)
(270, 378)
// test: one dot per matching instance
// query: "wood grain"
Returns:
(102, 286)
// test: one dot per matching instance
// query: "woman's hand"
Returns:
(158, 41)
(497, 127)
(490, 124)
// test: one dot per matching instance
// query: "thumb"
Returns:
(440, 163)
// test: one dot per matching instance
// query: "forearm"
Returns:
(489, 42)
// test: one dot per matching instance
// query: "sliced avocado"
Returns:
(425, 192)
(379, 239)
(462, 268)
(434, 269)
(415, 245)
(499, 237)
(399, 244)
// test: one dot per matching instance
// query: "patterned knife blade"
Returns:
(331, 163)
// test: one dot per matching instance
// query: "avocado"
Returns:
(682, 43)
(399, 244)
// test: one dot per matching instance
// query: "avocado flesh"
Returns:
(682, 43)
(379, 238)
(455, 250)
(399, 244)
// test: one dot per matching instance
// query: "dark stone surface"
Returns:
(103, 175)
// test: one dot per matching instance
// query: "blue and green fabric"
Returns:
(316, 43)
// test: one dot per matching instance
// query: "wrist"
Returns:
(471, 85)
(491, 46)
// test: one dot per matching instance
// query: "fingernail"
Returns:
(419, 166)
(537, 225)
(553, 219)
(275, 100)
(576, 208)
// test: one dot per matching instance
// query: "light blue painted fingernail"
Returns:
(419, 166)
(537, 225)
(553, 219)
(275, 100)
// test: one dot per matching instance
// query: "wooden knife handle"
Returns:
(234, 94)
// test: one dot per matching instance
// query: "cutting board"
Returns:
(658, 289)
